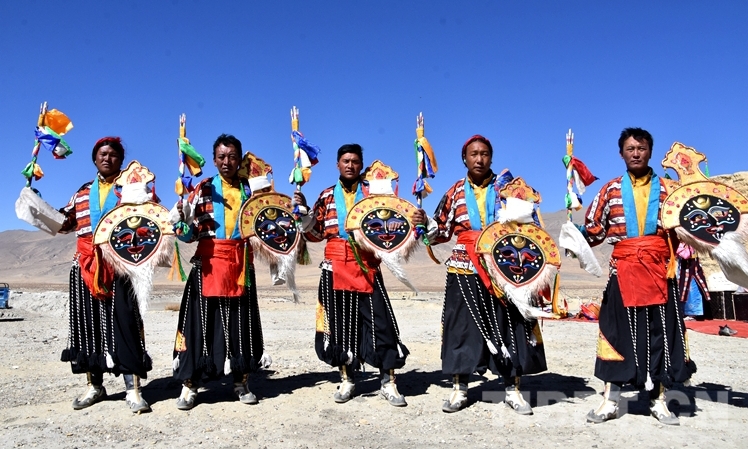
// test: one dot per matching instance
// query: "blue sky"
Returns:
(519, 72)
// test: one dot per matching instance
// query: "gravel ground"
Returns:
(296, 407)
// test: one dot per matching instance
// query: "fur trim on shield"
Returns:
(732, 257)
(522, 296)
(573, 241)
(141, 276)
(285, 264)
(702, 248)
(394, 260)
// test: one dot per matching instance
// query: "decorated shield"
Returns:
(521, 258)
(136, 236)
(268, 222)
(710, 216)
(381, 223)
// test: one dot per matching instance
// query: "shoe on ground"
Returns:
(456, 401)
(345, 392)
(726, 331)
(245, 396)
(608, 410)
(389, 392)
(136, 403)
(515, 400)
(186, 399)
(659, 410)
(92, 396)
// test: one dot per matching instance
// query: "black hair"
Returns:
(351, 148)
(227, 140)
(638, 134)
(114, 142)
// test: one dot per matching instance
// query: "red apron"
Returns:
(468, 238)
(346, 273)
(223, 266)
(96, 274)
(641, 263)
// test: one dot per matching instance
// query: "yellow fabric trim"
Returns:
(350, 196)
(232, 197)
(537, 333)
(641, 198)
(605, 350)
(104, 189)
(320, 318)
(480, 198)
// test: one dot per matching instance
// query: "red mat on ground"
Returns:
(712, 327)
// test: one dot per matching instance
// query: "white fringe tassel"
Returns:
(227, 366)
(492, 347)
(175, 363)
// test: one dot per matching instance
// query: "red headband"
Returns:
(477, 138)
(110, 139)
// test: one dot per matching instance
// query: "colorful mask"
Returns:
(380, 223)
(710, 216)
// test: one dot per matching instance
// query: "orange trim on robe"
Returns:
(346, 273)
(96, 274)
(222, 266)
(641, 263)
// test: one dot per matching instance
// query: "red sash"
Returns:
(96, 274)
(468, 238)
(346, 273)
(223, 266)
(641, 263)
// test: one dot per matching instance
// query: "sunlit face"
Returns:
(708, 218)
(135, 238)
(227, 160)
(636, 155)
(350, 166)
(108, 161)
(478, 160)
(277, 228)
(385, 228)
(519, 259)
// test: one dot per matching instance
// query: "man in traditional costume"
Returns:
(106, 327)
(476, 322)
(355, 321)
(219, 330)
(642, 339)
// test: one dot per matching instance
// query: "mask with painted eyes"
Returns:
(276, 228)
(518, 258)
(708, 218)
(385, 228)
(135, 238)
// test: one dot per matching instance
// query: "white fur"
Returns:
(381, 187)
(522, 296)
(517, 210)
(573, 241)
(393, 260)
(732, 257)
(32, 209)
(141, 276)
(135, 193)
(284, 265)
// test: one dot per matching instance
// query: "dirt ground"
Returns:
(296, 407)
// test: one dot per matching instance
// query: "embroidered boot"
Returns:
(347, 386)
(241, 390)
(95, 393)
(389, 389)
(608, 408)
(658, 408)
(458, 398)
(133, 399)
(186, 399)
(514, 397)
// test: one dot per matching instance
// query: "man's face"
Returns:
(478, 160)
(227, 160)
(636, 154)
(108, 161)
(350, 166)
